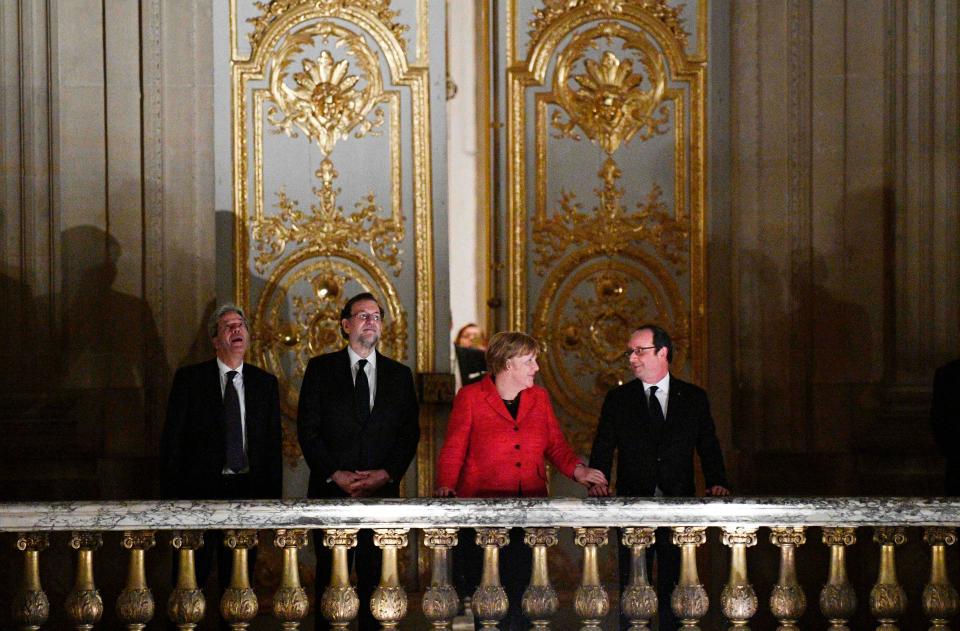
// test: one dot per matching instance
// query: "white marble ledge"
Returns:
(427, 513)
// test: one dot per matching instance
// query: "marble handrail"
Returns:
(500, 512)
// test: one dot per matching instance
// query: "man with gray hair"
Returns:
(222, 436)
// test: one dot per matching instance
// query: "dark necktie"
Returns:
(236, 459)
(657, 421)
(361, 390)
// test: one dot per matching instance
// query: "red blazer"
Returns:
(487, 454)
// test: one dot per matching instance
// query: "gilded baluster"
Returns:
(540, 601)
(888, 601)
(31, 607)
(940, 602)
(339, 603)
(689, 599)
(239, 606)
(135, 604)
(290, 603)
(389, 600)
(186, 604)
(84, 605)
(591, 602)
(639, 599)
(838, 600)
(490, 599)
(787, 600)
(440, 600)
(738, 600)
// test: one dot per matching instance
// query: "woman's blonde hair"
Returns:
(507, 344)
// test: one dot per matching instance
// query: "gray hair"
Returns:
(214, 322)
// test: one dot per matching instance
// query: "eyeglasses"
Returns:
(636, 351)
(363, 316)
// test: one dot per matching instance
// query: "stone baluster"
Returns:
(389, 600)
(490, 599)
(940, 601)
(787, 600)
(888, 600)
(186, 604)
(239, 606)
(84, 605)
(339, 603)
(738, 600)
(440, 601)
(591, 602)
(290, 602)
(639, 599)
(689, 599)
(31, 607)
(135, 605)
(540, 601)
(838, 600)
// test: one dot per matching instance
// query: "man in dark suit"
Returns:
(945, 419)
(358, 424)
(222, 437)
(655, 423)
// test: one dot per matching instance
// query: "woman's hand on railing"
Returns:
(444, 491)
(718, 491)
(589, 477)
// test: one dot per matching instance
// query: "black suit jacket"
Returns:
(647, 459)
(333, 438)
(192, 445)
(945, 420)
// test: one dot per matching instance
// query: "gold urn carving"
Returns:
(339, 603)
(738, 600)
(440, 602)
(290, 602)
(638, 602)
(888, 600)
(84, 606)
(591, 601)
(689, 599)
(838, 600)
(238, 605)
(135, 605)
(30, 606)
(389, 600)
(186, 604)
(490, 599)
(939, 599)
(540, 601)
(787, 600)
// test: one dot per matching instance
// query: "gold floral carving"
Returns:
(326, 102)
(273, 10)
(555, 10)
(610, 103)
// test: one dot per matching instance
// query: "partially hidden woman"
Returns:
(500, 434)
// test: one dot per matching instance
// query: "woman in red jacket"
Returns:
(500, 433)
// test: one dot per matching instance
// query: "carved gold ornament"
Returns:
(611, 102)
(555, 10)
(326, 103)
(271, 11)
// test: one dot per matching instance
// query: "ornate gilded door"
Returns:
(605, 187)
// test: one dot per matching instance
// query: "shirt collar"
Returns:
(354, 358)
(662, 386)
(224, 369)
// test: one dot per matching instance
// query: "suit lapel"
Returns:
(250, 399)
(379, 383)
(495, 402)
(211, 379)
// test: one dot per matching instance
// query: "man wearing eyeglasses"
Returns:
(654, 423)
(358, 425)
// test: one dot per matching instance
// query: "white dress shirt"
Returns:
(662, 394)
(370, 369)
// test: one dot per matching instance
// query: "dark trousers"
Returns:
(667, 557)
(516, 563)
(366, 558)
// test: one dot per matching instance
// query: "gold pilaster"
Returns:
(490, 599)
(440, 599)
(31, 607)
(638, 602)
(290, 603)
(787, 600)
(888, 600)
(689, 599)
(591, 602)
(239, 606)
(339, 603)
(939, 600)
(389, 600)
(186, 604)
(540, 600)
(135, 605)
(738, 600)
(84, 605)
(838, 600)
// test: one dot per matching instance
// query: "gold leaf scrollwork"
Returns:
(611, 102)
(273, 10)
(554, 10)
(327, 227)
(326, 103)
